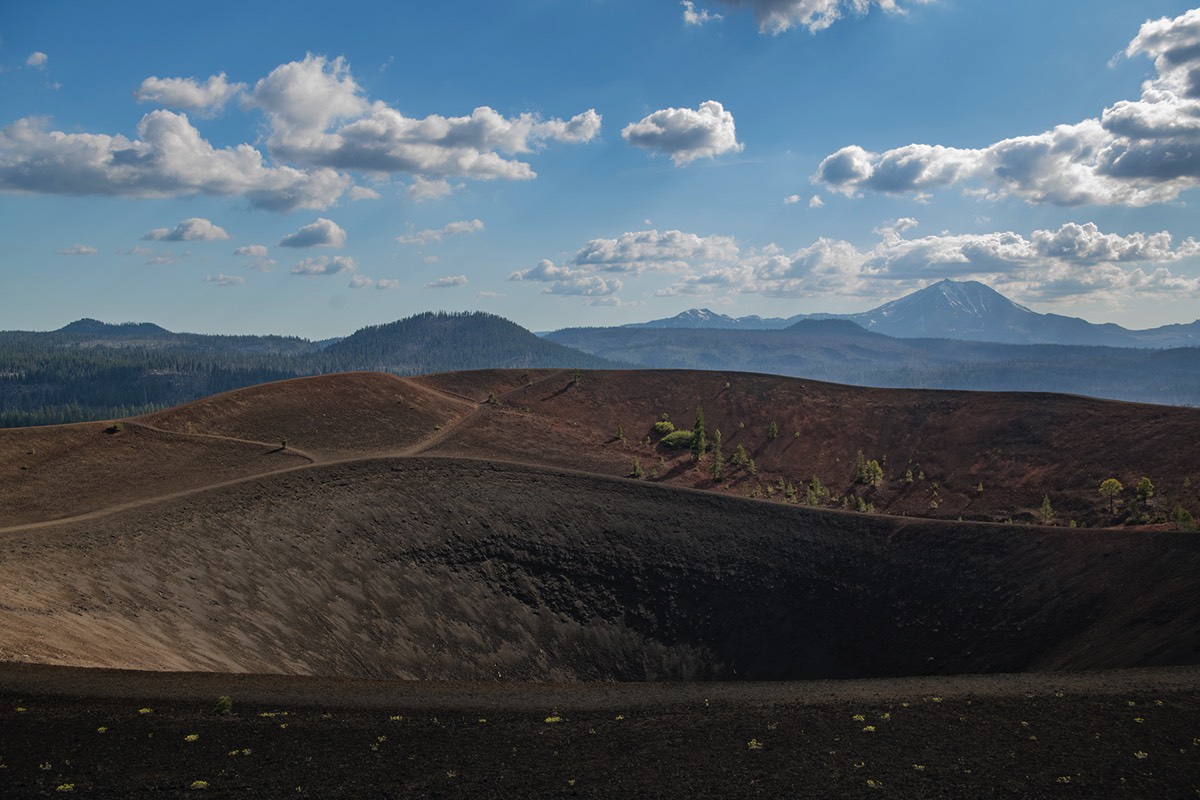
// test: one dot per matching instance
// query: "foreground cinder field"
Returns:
(103, 734)
(392, 560)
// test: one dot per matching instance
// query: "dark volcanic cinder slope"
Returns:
(436, 568)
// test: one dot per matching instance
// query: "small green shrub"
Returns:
(115, 428)
(664, 427)
(224, 705)
(677, 439)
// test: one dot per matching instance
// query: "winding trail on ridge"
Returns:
(314, 460)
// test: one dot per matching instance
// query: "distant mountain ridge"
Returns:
(965, 310)
(94, 370)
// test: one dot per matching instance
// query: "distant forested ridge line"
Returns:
(91, 370)
(842, 352)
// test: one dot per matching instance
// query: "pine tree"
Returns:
(772, 431)
(1046, 512)
(717, 468)
(1144, 490)
(1110, 488)
(699, 440)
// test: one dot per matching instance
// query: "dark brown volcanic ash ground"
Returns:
(1097, 735)
(438, 568)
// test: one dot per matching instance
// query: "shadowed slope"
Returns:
(436, 568)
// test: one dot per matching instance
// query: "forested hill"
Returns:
(441, 342)
(92, 370)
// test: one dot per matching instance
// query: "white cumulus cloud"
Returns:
(387, 283)
(568, 280)
(685, 134)
(1136, 153)
(222, 279)
(695, 16)
(1072, 262)
(192, 229)
(168, 159)
(422, 189)
(322, 233)
(206, 98)
(320, 127)
(37, 59)
(319, 116)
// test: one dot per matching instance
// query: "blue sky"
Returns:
(308, 171)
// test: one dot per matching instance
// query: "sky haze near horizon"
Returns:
(237, 169)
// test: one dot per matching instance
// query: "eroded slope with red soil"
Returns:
(1020, 447)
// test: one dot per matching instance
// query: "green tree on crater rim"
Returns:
(717, 468)
(1144, 491)
(1046, 512)
(699, 441)
(1110, 488)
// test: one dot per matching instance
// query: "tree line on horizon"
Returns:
(91, 371)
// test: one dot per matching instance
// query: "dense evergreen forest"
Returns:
(90, 370)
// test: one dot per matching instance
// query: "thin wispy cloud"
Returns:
(325, 265)
(434, 235)
(778, 16)
(448, 282)
(78, 250)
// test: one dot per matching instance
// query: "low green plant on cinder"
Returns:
(677, 439)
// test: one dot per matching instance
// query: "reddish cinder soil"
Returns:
(1020, 446)
(477, 527)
